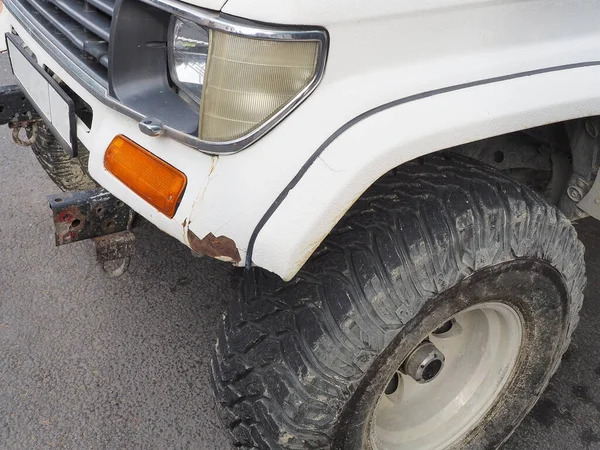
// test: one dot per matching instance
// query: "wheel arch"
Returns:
(373, 143)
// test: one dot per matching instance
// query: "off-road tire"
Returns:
(296, 364)
(69, 174)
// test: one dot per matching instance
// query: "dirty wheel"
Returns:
(449, 381)
(69, 174)
(431, 318)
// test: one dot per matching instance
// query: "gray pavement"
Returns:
(89, 362)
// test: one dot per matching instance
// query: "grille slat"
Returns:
(91, 19)
(106, 6)
(82, 24)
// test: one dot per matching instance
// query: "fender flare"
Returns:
(371, 144)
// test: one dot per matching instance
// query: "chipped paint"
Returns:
(221, 247)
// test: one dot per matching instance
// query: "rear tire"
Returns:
(304, 364)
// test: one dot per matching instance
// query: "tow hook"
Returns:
(114, 251)
(30, 125)
(18, 114)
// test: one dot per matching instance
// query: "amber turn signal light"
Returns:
(157, 182)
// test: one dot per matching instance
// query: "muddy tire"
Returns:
(314, 363)
(69, 174)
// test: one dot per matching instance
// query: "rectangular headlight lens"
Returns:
(249, 80)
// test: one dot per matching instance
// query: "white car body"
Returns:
(402, 79)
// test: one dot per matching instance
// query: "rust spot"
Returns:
(221, 247)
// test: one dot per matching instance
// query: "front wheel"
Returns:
(432, 318)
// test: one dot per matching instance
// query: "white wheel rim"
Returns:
(481, 352)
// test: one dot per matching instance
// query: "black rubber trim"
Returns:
(281, 197)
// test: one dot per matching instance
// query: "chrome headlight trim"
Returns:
(246, 28)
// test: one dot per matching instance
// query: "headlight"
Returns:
(240, 79)
(249, 80)
(187, 56)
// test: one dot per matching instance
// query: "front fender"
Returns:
(365, 148)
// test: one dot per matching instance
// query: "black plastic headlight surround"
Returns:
(138, 68)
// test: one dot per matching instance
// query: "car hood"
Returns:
(215, 5)
(312, 12)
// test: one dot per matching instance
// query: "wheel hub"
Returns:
(425, 363)
(446, 384)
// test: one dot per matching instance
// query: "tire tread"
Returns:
(289, 355)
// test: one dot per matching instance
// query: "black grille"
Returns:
(81, 26)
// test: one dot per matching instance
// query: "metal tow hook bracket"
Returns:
(30, 125)
(96, 215)
(114, 251)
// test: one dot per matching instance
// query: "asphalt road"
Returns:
(89, 362)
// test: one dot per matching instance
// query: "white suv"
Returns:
(398, 180)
